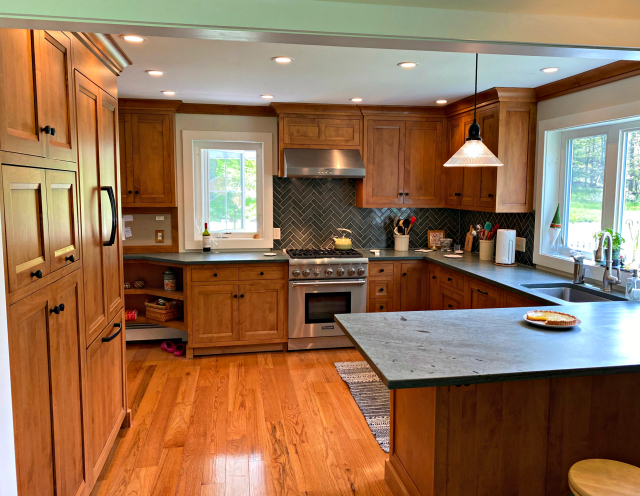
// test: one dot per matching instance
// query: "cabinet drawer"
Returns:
(516, 300)
(380, 269)
(484, 295)
(450, 300)
(378, 288)
(260, 272)
(452, 279)
(380, 305)
(215, 274)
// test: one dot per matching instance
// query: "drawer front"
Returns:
(451, 300)
(380, 269)
(380, 305)
(258, 273)
(215, 274)
(452, 279)
(484, 295)
(380, 288)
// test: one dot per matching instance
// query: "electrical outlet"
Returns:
(276, 233)
(159, 217)
(160, 236)
(521, 244)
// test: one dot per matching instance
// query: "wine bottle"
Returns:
(206, 239)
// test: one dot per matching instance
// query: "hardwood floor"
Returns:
(257, 424)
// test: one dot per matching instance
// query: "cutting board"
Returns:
(468, 242)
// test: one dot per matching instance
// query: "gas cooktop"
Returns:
(311, 253)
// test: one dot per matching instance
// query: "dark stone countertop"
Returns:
(440, 348)
(199, 258)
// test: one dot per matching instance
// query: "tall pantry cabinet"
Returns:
(63, 254)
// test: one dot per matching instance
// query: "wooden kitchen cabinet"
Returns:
(261, 311)
(423, 163)
(46, 344)
(36, 106)
(480, 295)
(434, 287)
(515, 300)
(214, 313)
(62, 206)
(398, 286)
(450, 300)
(321, 131)
(413, 286)
(147, 163)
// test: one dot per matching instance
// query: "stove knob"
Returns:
(351, 271)
(306, 272)
(340, 271)
(328, 272)
(295, 272)
(316, 272)
(360, 271)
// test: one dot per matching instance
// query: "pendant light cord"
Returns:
(475, 94)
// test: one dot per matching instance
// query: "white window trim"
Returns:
(549, 163)
(193, 238)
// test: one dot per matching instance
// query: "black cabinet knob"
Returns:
(433, 277)
(261, 273)
(450, 305)
(37, 273)
(404, 273)
(55, 310)
(53, 131)
(46, 129)
(136, 192)
(400, 193)
(235, 296)
(215, 274)
(381, 289)
(130, 192)
(449, 279)
(490, 195)
(381, 270)
(70, 258)
(241, 296)
(61, 307)
(381, 307)
(406, 194)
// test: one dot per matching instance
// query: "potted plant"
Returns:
(617, 246)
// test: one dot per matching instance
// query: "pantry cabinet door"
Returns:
(21, 115)
(214, 313)
(261, 311)
(64, 233)
(423, 164)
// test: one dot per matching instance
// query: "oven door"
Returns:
(312, 305)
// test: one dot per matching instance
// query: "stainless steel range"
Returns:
(322, 283)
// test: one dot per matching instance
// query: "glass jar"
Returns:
(169, 280)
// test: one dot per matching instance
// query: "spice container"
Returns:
(169, 280)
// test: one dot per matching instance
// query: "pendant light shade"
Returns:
(474, 153)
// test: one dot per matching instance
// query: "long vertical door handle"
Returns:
(114, 215)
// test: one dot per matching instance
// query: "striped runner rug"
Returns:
(372, 397)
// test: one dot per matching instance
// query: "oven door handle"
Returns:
(358, 282)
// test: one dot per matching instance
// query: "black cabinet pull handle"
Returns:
(55, 310)
(46, 130)
(37, 273)
(261, 273)
(381, 270)
(114, 335)
(241, 296)
(404, 273)
(53, 131)
(235, 296)
(70, 258)
(449, 279)
(114, 215)
(406, 194)
(481, 292)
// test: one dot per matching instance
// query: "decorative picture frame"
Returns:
(434, 239)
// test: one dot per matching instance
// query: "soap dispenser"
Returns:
(633, 287)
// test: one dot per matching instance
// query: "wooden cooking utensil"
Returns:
(468, 242)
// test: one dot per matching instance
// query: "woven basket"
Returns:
(162, 313)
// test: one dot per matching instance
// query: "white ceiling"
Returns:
(231, 72)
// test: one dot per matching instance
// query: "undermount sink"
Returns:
(574, 293)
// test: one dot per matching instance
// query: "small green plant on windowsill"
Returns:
(617, 239)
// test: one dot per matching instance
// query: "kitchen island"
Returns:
(484, 403)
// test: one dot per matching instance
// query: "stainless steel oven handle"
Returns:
(359, 282)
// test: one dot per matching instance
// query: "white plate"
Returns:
(459, 251)
(540, 323)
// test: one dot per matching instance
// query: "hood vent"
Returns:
(307, 162)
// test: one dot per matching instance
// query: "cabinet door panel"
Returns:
(413, 287)
(454, 175)
(423, 164)
(88, 109)
(20, 114)
(450, 300)
(64, 241)
(56, 79)
(214, 313)
(126, 159)
(384, 163)
(483, 295)
(321, 131)
(66, 347)
(487, 176)
(106, 394)
(29, 365)
(111, 255)
(26, 224)
(152, 142)
(261, 311)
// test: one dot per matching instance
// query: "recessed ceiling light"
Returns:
(168, 93)
(267, 97)
(550, 70)
(282, 60)
(155, 73)
(407, 65)
(133, 38)
(441, 102)
(358, 99)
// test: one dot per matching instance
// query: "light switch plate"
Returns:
(159, 236)
(276, 233)
(521, 244)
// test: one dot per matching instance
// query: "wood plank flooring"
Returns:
(260, 424)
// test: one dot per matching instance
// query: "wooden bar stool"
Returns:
(604, 478)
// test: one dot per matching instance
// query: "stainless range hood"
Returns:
(307, 162)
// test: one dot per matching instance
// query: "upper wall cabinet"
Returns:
(318, 126)
(36, 104)
(403, 156)
(507, 119)
(147, 163)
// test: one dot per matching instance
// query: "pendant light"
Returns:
(474, 153)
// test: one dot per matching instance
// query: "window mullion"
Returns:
(610, 191)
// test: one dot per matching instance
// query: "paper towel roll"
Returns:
(506, 246)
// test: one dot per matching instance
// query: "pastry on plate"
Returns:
(539, 315)
(561, 319)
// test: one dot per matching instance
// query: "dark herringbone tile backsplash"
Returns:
(308, 212)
